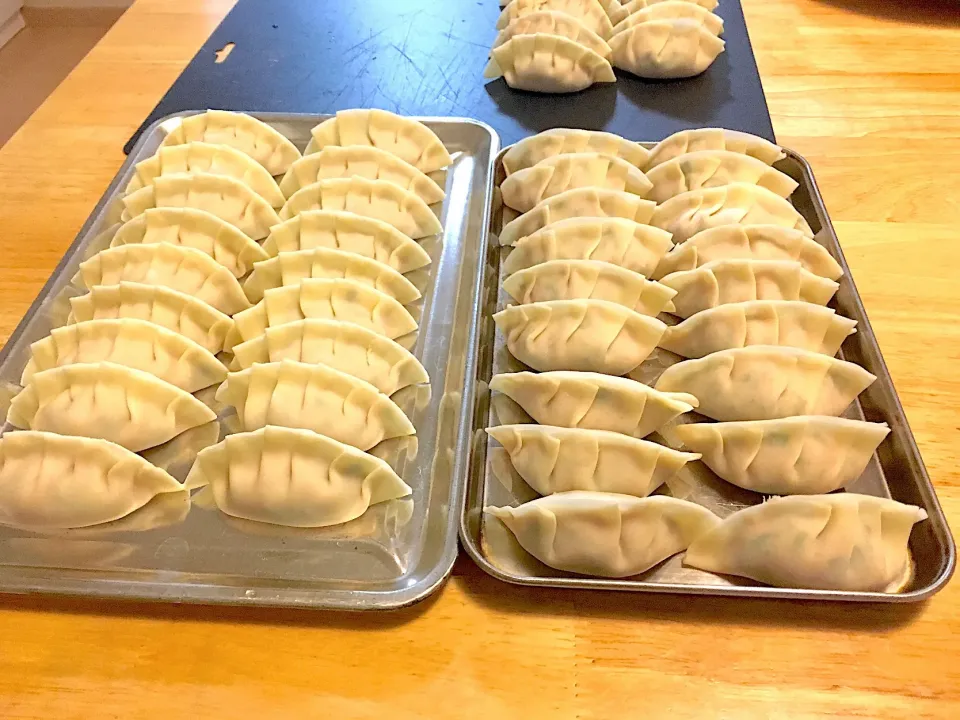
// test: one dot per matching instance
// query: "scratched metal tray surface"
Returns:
(397, 552)
(895, 471)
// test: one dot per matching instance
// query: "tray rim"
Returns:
(925, 486)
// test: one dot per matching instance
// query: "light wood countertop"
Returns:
(869, 92)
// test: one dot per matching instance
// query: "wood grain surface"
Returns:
(869, 91)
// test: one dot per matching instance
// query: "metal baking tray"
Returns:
(896, 470)
(396, 553)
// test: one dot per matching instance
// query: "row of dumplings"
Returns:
(237, 252)
(558, 46)
(590, 264)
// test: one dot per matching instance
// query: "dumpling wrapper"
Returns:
(177, 267)
(618, 241)
(289, 268)
(592, 401)
(288, 476)
(672, 10)
(547, 64)
(665, 49)
(50, 482)
(195, 229)
(560, 141)
(587, 335)
(750, 242)
(589, 13)
(314, 397)
(732, 281)
(688, 141)
(363, 161)
(576, 279)
(243, 132)
(168, 308)
(553, 22)
(194, 157)
(790, 323)
(138, 344)
(343, 346)
(578, 203)
(763, 382)
(845, 541)
(378, 199)
(228, 199)
(605, 534)
(108, 401)
(806, 455)
(524, 189)
(715, 168)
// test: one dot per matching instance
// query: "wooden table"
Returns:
(870, 93)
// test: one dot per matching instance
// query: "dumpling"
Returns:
(578, 203)
(203, 157)
(729, 281)
(613, 240)
(688, 141)
(714, 168)
(605, 534)
(763, 382)
(162, 306)
(589, 335)
(845, 541)
(314, 397)
(408, 139)
(552, 22)
(665, 49)
(349, 232)
(138, 344)
(525, 188)
(592, 401)
(243, 132)
(343, 346)
(559, 141)
(750, 242)
(556, 459)
(293, 477)
(589, 13)
(50, 481)
(637, 5)
(547, 64)
(361, 161)
(672, 10)
(228, 199)
(736, 204)
(332, 299)
(195, 229)
(177, 267)
(575, 279)
(805, 455)
(791, 323)
(290, 268)
(108, 401)
(373, 198)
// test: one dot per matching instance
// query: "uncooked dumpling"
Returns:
(525, 188)
(714, 168)
(50, 482)
(605, 534)
(587, 335)
(559, 141)
(104, 400)
(553, 22)
(362, 161)
(195, 229)
(637, 5)
(614, 240)
(548, 64)
(293, 477)
(805, 455)
(139, 344)
(673, 10)
(314, 397)
(372, 198)
(688, 141)
(243, 132)
(408, 139)
(589, 13)
(763, 382)
(844, 541)
(665, 49)
(592, 401)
